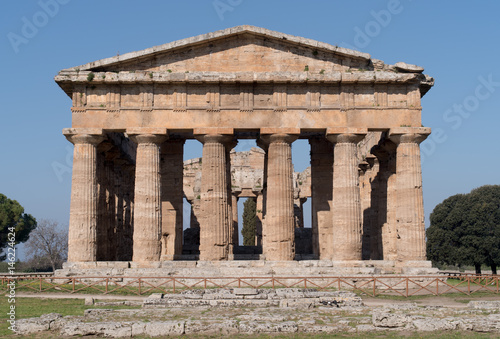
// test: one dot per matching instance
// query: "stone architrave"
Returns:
(147, 204)
(346, 210)
(216, 217)
(82, 236)
(279, 222)
(410, 206)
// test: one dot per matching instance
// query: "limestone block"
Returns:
(252, 327)
(225, 327)
(164, 328)
(390, 320)
(429, 324)
(484, 304)
(34, 325)
(245, 291)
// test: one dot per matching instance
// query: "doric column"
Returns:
(279, 224)
(346, 209)
(106, 240)
(384, 184)
(172, 194)
(259, 218)
(321, 197)
(216, 218)
(83, 212)
(410, 204)
(234, 208)
(147, 202)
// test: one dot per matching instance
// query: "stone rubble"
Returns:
(277, 311)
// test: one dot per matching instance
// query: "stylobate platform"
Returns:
(245, 268)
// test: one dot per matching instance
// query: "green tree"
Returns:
(443, 236)
(13, 220)
(249, 216)
(465, 229)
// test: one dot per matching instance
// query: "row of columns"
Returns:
(341, 228)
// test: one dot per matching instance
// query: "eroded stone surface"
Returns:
(245, 83)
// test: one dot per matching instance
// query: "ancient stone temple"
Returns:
(132, 113)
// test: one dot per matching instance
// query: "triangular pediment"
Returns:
(237, 49)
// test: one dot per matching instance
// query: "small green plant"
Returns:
(103, 76)
(300, 182)
(77, 70)
(151, 75)
(306, 69)
(198, 197)
(169, 70)
(322, 71)
(405, 126)
(90, 77)
(187, 72)
(102, 105)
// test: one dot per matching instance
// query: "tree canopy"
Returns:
(47, 247)
(465, 229)
(13, 218)
(248, 229)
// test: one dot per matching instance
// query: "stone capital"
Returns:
(226, 140)
(148, 138)
(345, 134)
(345, 138)
(400, 135)
(85, 139)
(278, 138)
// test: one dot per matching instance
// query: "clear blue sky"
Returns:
(457, 42)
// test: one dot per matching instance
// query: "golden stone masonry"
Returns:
(132, 113)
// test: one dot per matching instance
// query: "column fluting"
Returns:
(147, 202)
(279, 222)
(82, 241)
(410, 206)
(215, 202)
(346, 208)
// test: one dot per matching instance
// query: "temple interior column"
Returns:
(279, 222)
(147, 199)
(321, 197)
(410, 205)
(216, 217)
(258, 219)
(172, 194)
(234, 208)
(385, 194)
(82, 242)
(124, 197)
(346, 209)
